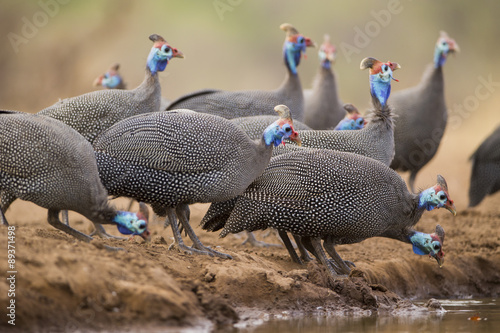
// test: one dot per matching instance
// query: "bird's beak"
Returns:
(98, 81)
(177, 53)
(453, 47)
(439, 260)
(450, 206)
(295, 138)
(310, 43)
(146, 235)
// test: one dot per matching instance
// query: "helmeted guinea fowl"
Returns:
(485, 174)
(48, 163)
(340, 197)
(353, 120)
(92, 113)
(322, 105)
(173, 159)
(111, 79)
(421, 115)
(233, 104)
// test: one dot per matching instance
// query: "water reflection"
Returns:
(459, 316)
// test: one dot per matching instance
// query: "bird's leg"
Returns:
(3, 219)
(288, 244)
(6, 200)
(303, 252)
(307, 243)
(65, 217)
(341, 264)
(254, 242)
(316, 243)
(178, 241)
(101, 232)
(182, 211)
(54, 221)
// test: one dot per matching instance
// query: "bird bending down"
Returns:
(111, 79)
(48, 163)
(173, 159)
(340, 197)
(233, 104)
(421, 115)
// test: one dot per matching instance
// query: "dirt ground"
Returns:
(66, 285)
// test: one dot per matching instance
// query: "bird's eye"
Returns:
(360, 121)
(300, 39)
(166, 48)
(442, 197)
(443, 43)
(287, 129)
(437, 247)
(385, 68)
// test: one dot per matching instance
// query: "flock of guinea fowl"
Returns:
(300, 162)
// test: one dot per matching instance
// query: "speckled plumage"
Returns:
(234, 104)
(421, 119)
(172, 159)
(485, 174)
(339, 196)
(48, 163)
(375, 140)
(322, 105)
(91, 113)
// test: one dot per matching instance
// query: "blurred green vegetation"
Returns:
(239, 48)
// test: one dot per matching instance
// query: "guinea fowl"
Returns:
(422, 115)
(48, 163)
(340, 197)
(173, 159)
(485, 175)
(92, 113)
(234, 104)
(322, 106)
(352, 120)
(111, 79)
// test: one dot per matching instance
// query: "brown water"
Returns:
(473, 315)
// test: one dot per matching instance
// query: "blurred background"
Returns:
(54, 49)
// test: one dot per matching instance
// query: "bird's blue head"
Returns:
(432, 244)
(281, 129)
(160, 54)
(293, 47)
(133, 223)
(380, 77)
(437, 197)
(327, 53)
(111, 79)
(352, 121)
(444, 46)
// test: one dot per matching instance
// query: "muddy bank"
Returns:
(63, 284)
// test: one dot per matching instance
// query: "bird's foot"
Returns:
(101, 232)
(251, 240)
(211, 251)
(188, 250)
